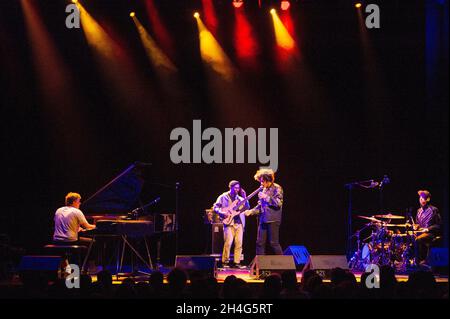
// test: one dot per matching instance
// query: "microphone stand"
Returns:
(363, 184)
(135, 212)
(356, 261)
(177, 196)
(349, 220)
(381, 185)
(134, 215)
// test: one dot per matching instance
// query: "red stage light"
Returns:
(285, 5)
(238, 3)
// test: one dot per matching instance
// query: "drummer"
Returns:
(429, 222)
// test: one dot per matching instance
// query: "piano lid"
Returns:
(120, 195)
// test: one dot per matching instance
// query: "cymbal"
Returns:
(395, 225)
(390, 216)
(415, 231)
(373, 219)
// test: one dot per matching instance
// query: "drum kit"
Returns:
(388, 244)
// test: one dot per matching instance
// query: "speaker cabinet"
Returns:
(438, 257)
(265, 265)
(217, 238)
(197, 263)
(323, 264)
(32, 268)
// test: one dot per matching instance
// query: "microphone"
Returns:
(373, 184)
(384, 181)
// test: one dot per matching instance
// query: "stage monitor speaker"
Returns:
(265, 265)
(323, 264)
(32, 268)
(438, 257)
(197, 263)
(300, 254)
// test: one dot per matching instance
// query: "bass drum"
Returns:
(366, 254)
(361, 259)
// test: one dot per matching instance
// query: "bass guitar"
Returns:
(234, 209)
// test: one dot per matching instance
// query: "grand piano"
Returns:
(121, 218)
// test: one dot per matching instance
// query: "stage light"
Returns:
(98, 38)
(358, 5)
(212, 53)
(158, 27)
(196, 15)
(283, 38)
(245, 43)
(154, 53)
(209, 15)
(238, 3)
(285, 5)
(75, 1)
(132, 14)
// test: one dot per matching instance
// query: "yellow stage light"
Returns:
(96, 36)
(132, 14)
(196, 15)
(155, 54)
(282, 36)
(358, 5)
(213, 54)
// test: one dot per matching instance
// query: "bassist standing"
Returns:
(226, 206)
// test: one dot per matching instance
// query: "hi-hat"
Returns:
(390, 216)
(395, 225)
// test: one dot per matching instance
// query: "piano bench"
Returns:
(67, 251)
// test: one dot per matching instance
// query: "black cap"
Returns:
(232, 183)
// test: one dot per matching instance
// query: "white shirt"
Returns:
(67, 222)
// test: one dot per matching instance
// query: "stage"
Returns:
(138, 116)
(141, 285)
(245, 274)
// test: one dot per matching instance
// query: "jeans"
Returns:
(232, 233)
(268, 231)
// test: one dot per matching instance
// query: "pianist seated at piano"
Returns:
(69, 221)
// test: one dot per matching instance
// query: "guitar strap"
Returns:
(229, 197)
